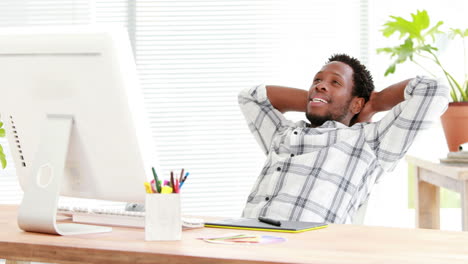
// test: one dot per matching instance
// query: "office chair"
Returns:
(360, 214)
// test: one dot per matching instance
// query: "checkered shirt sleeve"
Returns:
(425, 100)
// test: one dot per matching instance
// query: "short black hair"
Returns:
(362, 78)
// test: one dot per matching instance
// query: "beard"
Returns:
(318, 120)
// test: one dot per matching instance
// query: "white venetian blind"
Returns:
(193, 58)
(43, 12)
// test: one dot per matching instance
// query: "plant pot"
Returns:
(455, 124)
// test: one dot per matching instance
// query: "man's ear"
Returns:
(357, 104)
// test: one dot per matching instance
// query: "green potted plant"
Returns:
(418, 47)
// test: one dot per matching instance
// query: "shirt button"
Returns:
(292, 155)
(267, 198)
(295, 132)
(278, 169)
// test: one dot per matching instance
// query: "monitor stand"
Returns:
(38, 209)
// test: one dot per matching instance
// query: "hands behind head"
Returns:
(367, 111)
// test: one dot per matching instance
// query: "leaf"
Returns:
(421, 20)
(385, 50)
(465, 92)
(455, 31)
(412, 29)
(2, 157)
(401, 25)
(453, 95)
(388, 29)
(405, 51)
(458, 32)
(434, 30)
(428, 48)
(3, 161)
(466, 88)
(390, 69)
(2, 132)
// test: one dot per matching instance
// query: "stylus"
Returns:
(269, 221)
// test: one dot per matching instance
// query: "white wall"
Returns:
(388, 204)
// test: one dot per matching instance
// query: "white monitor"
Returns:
(74, 117)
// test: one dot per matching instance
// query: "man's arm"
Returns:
(263, 119)
(424, 101)
(383, 100)
(286, 99)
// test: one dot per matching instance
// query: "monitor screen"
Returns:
(72, 94)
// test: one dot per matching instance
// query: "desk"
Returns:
(334, 244)
(430, 176)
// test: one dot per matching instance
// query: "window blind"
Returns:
(43, 12)
(193, 57)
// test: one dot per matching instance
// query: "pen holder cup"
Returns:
(163, 217)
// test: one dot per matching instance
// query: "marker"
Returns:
(181, 175)
(153, 186)
(175, 188)
(166, 189)
(172, 180)
(183, 180)
(269, 221)
(158, 185)
(148, 187)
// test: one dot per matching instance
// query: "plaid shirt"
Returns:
(325, 174)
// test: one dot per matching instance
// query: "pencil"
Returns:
(172, 180)
(181, 175)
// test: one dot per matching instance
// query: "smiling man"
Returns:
(323, 170)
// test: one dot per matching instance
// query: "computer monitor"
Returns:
(75, 120)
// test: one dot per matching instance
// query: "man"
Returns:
(323, 171)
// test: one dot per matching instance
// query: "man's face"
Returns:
(330, 94)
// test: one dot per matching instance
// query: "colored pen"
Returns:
(172, 180)
(156, 182)
(153, 186)
(181, 175)
(148, 187)
(269, 221)
(166, 189)
(183, 180)
(177, 186)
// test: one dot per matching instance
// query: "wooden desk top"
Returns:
(452, 171)
(334, 244)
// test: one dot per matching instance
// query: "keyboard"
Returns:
(116, 217)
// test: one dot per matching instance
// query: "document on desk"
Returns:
(255, 224)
